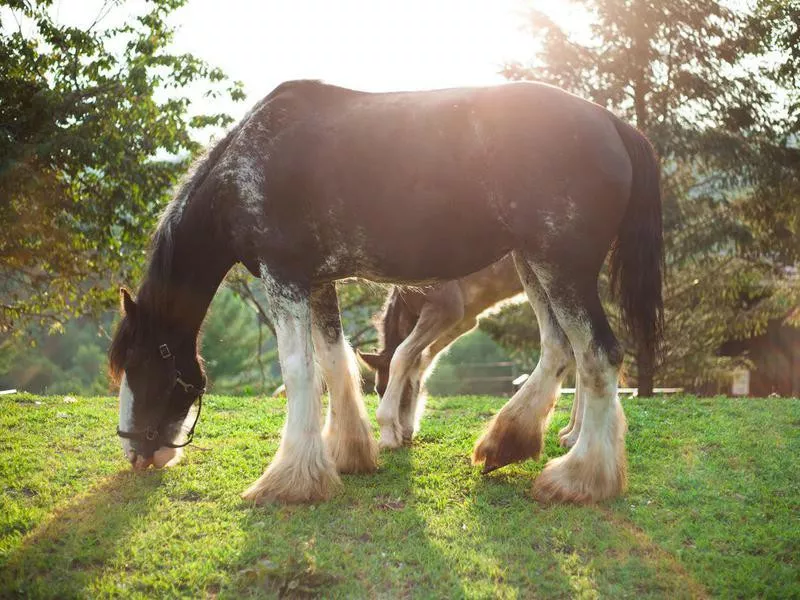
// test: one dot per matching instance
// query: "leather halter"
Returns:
(196, 392)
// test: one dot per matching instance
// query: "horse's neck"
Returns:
(198, 265)
(396, 321)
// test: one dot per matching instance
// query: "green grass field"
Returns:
(712, 510)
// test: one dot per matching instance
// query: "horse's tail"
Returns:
(637, 255)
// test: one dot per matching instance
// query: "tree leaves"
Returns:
(702, 81)
(90, 122)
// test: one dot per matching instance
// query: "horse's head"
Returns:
(161, 377)
(380, 364)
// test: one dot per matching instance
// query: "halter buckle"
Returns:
(164, 350)
(150, 434)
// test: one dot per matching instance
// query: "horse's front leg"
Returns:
(434, 318)
(347, 432)
(302, 470)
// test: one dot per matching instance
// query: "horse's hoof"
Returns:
(505, 442)
(568, 440)
(408, 436)
(385, 444)
(391, 437)
(354, 453)
(592, 478)
(304, 476)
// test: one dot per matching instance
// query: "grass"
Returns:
(711, 510)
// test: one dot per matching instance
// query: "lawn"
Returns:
(712, 510)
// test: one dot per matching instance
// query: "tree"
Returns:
(72, 362)
(679, 70)
(92, 120)
(515, 329)
(239, 356)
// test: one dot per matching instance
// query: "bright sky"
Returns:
(376, 45)
(373, 45)
(367, 44)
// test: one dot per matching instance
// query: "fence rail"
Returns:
(469, 378)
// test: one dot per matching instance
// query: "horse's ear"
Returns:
(128, 305)
(373, 361)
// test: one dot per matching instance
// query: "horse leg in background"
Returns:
(595, 468)
(413, 403)
(409, 402)
(517, 431)
(569, 434)
(302, 470)
(347, 432)
(439, 313)
(568, 427)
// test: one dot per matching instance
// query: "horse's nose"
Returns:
(139, 462)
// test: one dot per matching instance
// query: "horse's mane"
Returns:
(152, 298)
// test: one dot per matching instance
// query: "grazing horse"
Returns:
(417, 324)
(319, 183)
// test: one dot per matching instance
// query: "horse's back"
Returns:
(432, 184)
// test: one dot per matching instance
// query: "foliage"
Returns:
(240, 355)
(514, 327)
(70, 362)
(711, 510)
(468, 359)
(92, 119)
(239, 358)
(360, 302)
(691, 75)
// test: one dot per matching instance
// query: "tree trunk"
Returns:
(645, 372)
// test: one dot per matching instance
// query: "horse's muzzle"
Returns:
(161, 458)
(139, 462)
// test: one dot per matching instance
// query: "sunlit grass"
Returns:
(711, 510)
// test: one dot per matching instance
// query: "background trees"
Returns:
(95, 131)
(96, 126)
(712, 88)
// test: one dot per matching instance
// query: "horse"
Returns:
(417, 324)
(319, 183)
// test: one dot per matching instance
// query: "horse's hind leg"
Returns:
(569, 434)
(410, 401)
(347, 432)
(301, 470)
(440, 312)
(517, 431)
(595, 468)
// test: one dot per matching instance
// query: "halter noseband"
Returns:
(151, 434)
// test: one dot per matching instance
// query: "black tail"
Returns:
(637, 256)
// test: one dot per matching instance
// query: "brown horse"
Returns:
(417, 324)
(319, 183)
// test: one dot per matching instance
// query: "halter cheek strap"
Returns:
(151, 434)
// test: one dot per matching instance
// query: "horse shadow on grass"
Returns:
(567, 550)
(65, 553)
(369, 540)
(187, 532)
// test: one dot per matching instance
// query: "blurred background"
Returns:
(104, 104)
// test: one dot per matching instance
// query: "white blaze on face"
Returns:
(126, 415)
